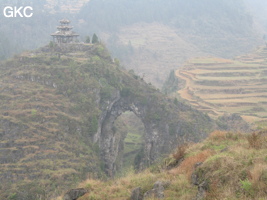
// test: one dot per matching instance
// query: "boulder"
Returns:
(136, 194)
(74, 194)
(202, 188)
(157, 191)
(195, 179)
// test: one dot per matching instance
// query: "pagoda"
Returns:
(64, 33)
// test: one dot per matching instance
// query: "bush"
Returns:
(223, 135)
(95, 39)
(106, 93)
(33, 112)
(87, 40)
(187, 166)
(180, 152)
(13, 196)
(247, 187)
(254, 140)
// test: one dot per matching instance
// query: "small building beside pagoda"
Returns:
(64, 33)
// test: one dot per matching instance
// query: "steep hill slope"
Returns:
(224, 166)
(58, 107)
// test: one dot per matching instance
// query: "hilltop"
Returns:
(58, 110)
(150, 37)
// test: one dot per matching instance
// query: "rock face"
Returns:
(58, 110)
(74, 194)
(157, 191)
(202, 184)
(136, 194)
(202, 188)
(163, 126)
(233, 122)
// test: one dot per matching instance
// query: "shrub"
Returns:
(95, 39)
(106, 92)
(33, 112)
(175, 101)
(187, 166)
(87, 40)
(180, 152)
(223, 135)
(254, 140)
(93, 197)
(246, 185)
(12, 196)
(213, 191)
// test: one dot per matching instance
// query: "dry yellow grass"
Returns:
(236, 172)
(187, 166)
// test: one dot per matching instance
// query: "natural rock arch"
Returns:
(164, 124)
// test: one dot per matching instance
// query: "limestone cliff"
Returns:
(58, 107)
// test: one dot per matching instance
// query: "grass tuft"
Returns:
(180, 152)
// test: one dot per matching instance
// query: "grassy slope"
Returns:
(217, 85)
(43, 123)
(234, 166)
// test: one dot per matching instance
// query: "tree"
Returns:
(87, 40)
(95, 39)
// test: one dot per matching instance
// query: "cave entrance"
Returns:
(132, 131)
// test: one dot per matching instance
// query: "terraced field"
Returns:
(216, 85)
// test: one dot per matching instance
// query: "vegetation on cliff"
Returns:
(225, 166)
(53, 103)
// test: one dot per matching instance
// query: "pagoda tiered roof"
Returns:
(64, 33)
(64, 21)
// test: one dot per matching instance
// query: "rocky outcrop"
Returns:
(233, 122)
(157, 192)
(163, 121)
(202, 188)
(136, 194)
(202, 184)
(58, 115)
(74, 194)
